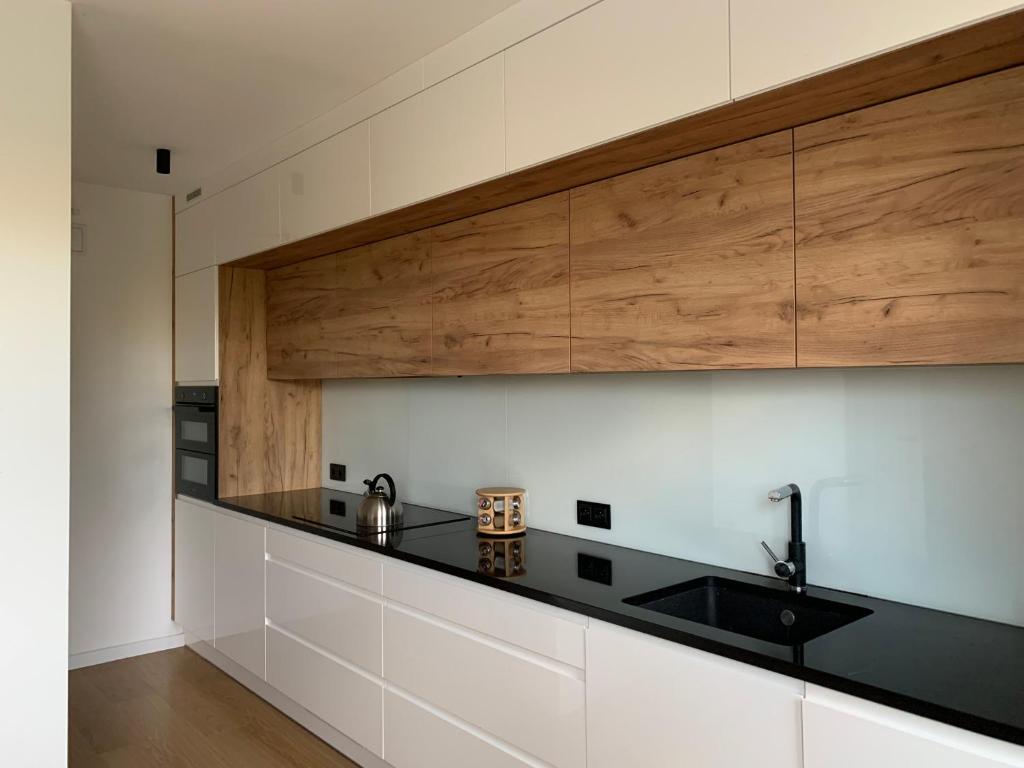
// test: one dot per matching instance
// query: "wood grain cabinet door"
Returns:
(688, 264)
(501, 291)
(910, 221)
(361, 313)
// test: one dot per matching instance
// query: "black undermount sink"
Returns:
(771, 615)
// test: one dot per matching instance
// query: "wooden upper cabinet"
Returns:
(910, 220)
(688, 264)
(299, 298)
(501, 291)
(362, 313)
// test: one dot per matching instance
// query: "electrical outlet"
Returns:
(593, 568)
(337, 471)
(594, 514)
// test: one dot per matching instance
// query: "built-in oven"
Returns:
(195, 441)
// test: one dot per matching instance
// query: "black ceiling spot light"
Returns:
(163, 161)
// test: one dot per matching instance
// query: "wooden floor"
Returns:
(173, 709)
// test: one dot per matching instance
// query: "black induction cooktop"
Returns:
(326, 511)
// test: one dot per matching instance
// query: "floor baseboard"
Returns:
(116, 652)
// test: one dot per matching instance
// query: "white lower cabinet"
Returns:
(193, 569)
(845, 732)
(426, 671)
(337, 693)
(418, 737)
(654, 703)
(239, 592)
(328, 615)
(535, 705)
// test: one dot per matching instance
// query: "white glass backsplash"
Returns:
(913, 478)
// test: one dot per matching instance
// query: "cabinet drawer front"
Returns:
(336, 694)
(355, 569)
(417, 738)
(844, 732)
(533, 706)
(338, 620)
(553, 633)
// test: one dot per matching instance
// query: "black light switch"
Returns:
(337, 471)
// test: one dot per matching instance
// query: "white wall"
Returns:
(35, 205)
(912, 478)
(121, 420)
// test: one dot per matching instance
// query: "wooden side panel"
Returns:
(501, 291)
(269, 431)
(688, 264)
(364, 312)
(911, 229)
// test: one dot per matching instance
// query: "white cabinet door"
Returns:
(193, 569)
(653, 702)
(448, 136)
(195, 240)
(534, 704)
(195, 326)
(417, 737)
(327, 185)
(617, 67)
(353, 566)
(335, 618)
(774, 43)
(844, 732)
(340, 695)
(239, 617)
(524, 623)
(248, 217)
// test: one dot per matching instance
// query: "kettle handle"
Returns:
(371, 484)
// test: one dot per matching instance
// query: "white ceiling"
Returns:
(214, 80)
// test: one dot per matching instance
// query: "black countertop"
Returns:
(958, 670)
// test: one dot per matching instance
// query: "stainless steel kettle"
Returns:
(379, 510)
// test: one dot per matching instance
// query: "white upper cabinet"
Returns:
(326, 186)
(774, 43)
(652, 702)
(195, 239)
(195, 326)
(449, 136)
(248, 217)
(615, 68)
(841, 731)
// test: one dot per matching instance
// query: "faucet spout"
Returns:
(796, 566)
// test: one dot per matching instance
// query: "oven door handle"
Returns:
(181, 408)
